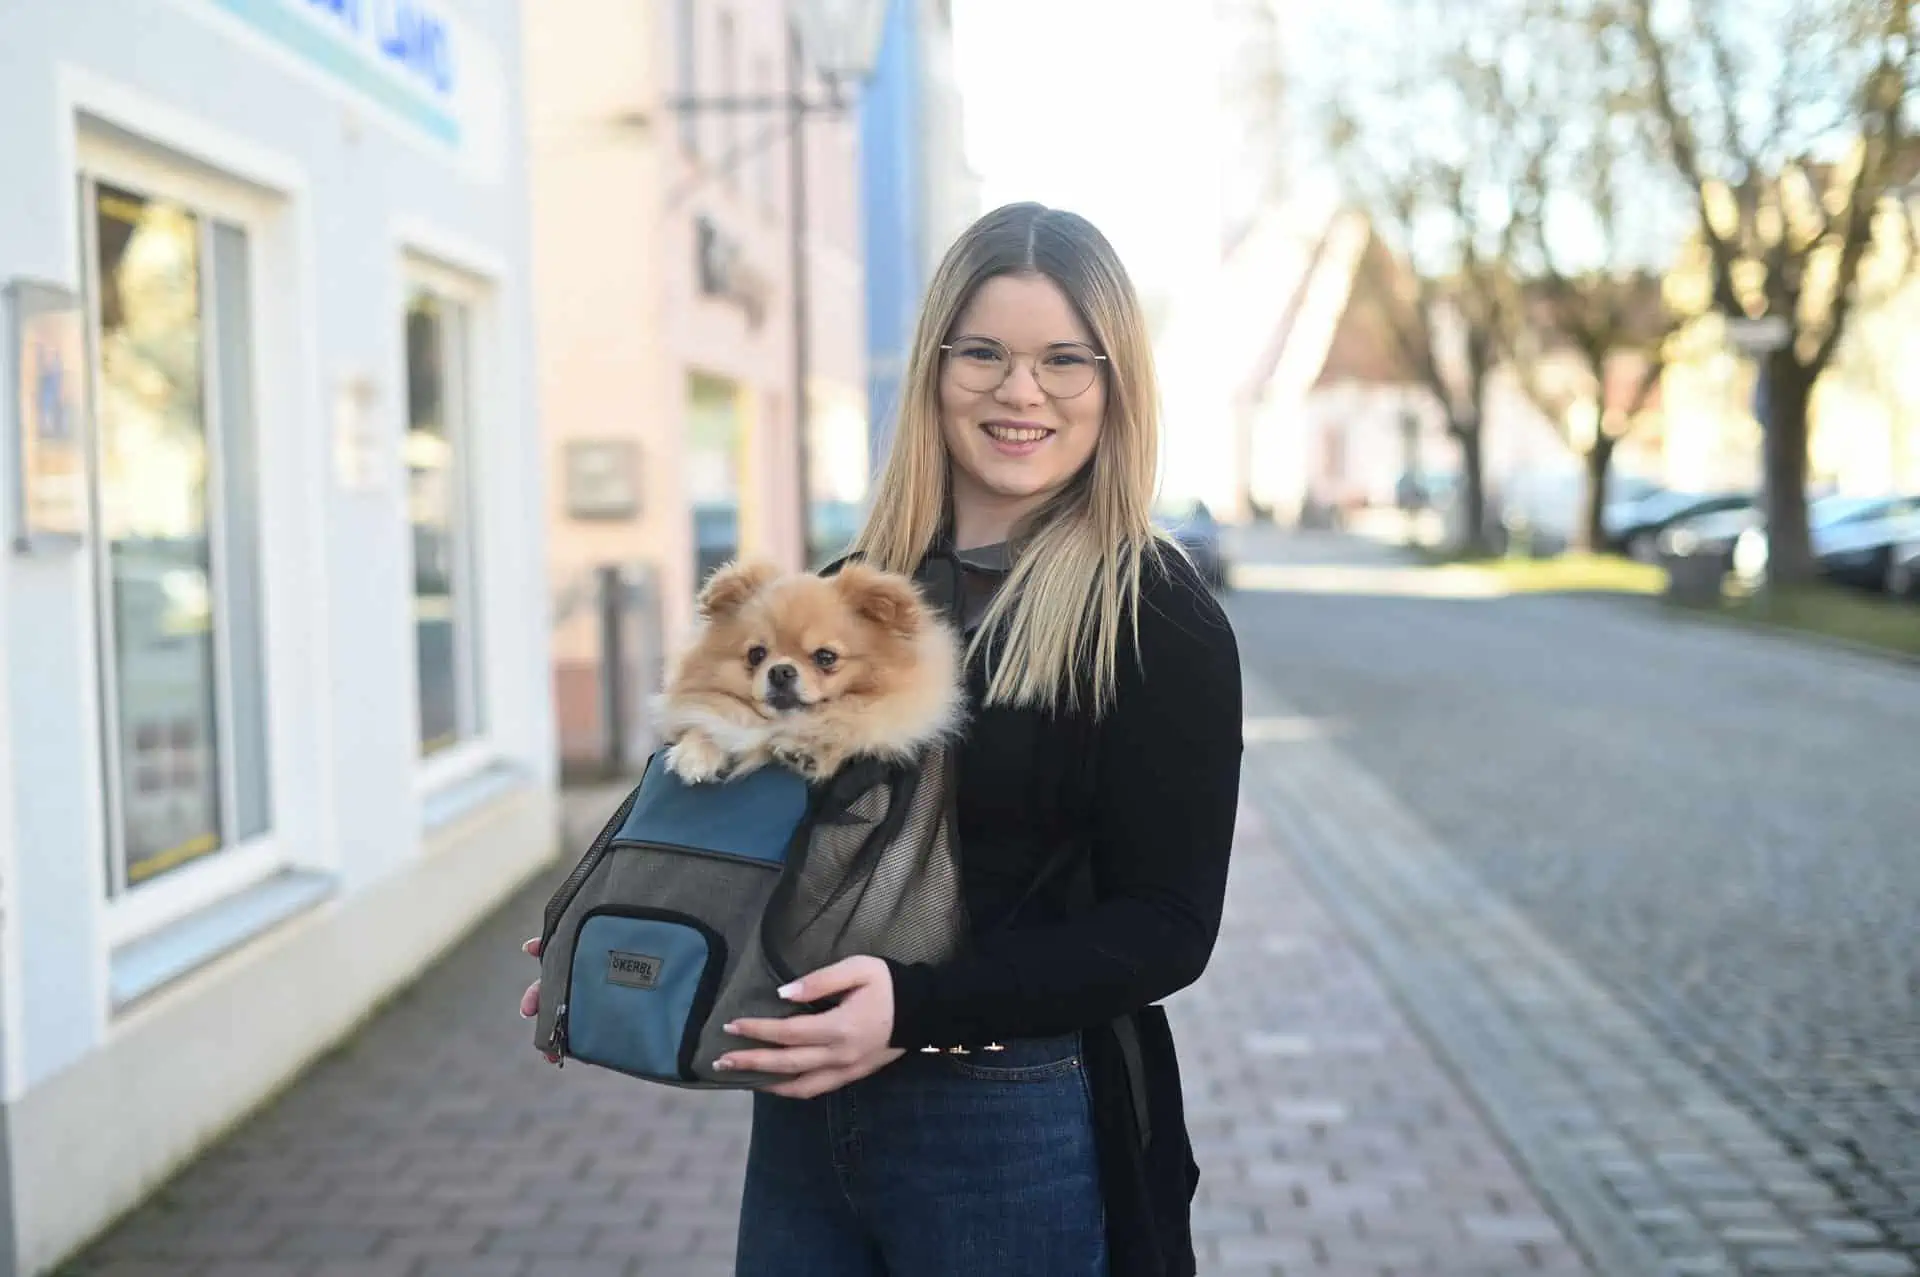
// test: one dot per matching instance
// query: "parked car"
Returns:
(1192, 524)
(1713, 534)
(1853, 539)
(1903, 567)
(1637, 530)
(1543, 510)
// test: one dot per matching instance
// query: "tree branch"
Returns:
(1681, 142)
(1863, 201)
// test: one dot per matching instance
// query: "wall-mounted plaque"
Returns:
(602, 479)
(48, 416)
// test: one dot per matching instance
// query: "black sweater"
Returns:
(1164, 784)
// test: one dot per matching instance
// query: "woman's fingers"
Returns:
(822, 1029)
(793, 1060)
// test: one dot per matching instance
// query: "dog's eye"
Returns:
(755, 655)
(826, 659)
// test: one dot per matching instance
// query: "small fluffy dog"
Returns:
(809, 672)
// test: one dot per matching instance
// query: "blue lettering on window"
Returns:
(416, 40)
(346, 12)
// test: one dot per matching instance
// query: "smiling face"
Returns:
(1014, 445)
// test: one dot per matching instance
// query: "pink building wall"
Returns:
(633, 352)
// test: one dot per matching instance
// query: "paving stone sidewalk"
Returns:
(437, 1144)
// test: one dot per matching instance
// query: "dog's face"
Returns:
(789, 642)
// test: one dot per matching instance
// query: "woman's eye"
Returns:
(1066, 360)
(755, 655)
(825, 659)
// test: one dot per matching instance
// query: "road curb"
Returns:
(1787, 634)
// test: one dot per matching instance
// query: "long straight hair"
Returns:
(1054, 629)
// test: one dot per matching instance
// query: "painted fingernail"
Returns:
(721, 1066)
(731, 1026)
(788, 991)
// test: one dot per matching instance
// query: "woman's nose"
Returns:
(1022, 385)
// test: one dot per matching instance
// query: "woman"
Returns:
(1030, 1123)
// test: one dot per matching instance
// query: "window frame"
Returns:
(130, 910)
(477, 749)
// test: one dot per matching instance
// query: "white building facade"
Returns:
(277, 724)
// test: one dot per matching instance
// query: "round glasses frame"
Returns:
(1041, 373)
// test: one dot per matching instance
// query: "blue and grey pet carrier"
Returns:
(698, 901)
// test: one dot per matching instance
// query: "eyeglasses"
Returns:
(1064, 369)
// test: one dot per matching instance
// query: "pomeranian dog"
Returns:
(808, 672)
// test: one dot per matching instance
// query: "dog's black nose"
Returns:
(782, 675)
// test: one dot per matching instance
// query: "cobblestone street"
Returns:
(1713, 828)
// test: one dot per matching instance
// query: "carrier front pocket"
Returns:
(642, 985)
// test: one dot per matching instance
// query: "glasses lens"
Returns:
(978, 364)
(1066, 370)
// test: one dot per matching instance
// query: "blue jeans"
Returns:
(980, 1165)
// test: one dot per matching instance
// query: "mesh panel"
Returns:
(883, 878)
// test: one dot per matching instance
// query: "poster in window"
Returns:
(48, 414)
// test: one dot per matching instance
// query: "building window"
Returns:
(183, 665)
(687, 52)
(439, 462)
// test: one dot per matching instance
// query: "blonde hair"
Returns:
(1074, 585)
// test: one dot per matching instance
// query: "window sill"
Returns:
(140, 967)
(458, 795)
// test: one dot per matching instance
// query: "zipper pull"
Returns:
(557, 1042)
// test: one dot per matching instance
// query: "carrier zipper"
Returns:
(557, 1040)
(582, 871)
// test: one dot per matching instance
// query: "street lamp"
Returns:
(841, 38)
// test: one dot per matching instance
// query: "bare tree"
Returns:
(1592, 249)
(1787, 121)
(1418, 149)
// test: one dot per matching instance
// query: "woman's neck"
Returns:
(983, 519)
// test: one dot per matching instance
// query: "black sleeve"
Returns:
(1166, 789)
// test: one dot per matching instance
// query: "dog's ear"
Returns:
(731, 585)
(885, 598)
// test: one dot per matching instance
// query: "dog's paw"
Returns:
(796, 759)
(816, 763)
(696, 759)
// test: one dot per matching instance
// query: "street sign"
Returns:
(1759, 336)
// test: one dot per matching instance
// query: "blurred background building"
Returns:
(665, 242)
(918, 191)
(276, 723)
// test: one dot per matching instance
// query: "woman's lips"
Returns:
(1016, 438)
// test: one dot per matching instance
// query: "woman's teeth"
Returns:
(1018, 434)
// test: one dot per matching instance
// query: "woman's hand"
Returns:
(530, 1000)
(826, 1050)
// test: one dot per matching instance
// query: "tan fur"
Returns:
(894, 687)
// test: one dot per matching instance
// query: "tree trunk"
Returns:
(1784, 463)
(1591, 534)
(1473, 489)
